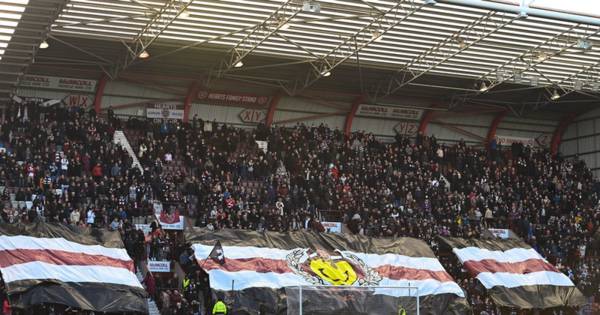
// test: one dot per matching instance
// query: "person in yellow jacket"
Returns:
(219, 308)
(401, 311)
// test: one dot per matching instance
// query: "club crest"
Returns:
(341, 269)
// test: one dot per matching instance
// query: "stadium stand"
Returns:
(299, 157)
(61, 165)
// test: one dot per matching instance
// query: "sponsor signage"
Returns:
(253, 116)
(508, 140)
(407, 128)
(159, 266)
(164, 113)
(58, 83)
(392, 112)
(332, 227)
(78, 100)
(237, 99)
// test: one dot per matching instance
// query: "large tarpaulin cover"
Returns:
(514, 274)
(359, 275)
(82, 268)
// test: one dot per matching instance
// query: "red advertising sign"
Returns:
(233, 99)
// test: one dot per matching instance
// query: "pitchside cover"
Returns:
(514, 274)
(59, 264)
(265, 270)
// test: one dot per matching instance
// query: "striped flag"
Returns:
(261, 266)
(62, 270)
(515, 274)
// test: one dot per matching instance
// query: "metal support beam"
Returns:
(159, 22)
(555, 15)
(258, 34)
(377, 27)
(272, 108)
(494, 126)
(560, 131)
(559, 44)
(441, 52)
(192, 93)
(565, 87)
(351, 114)
(100, 93)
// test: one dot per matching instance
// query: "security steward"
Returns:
(401, 311)
(219, 308)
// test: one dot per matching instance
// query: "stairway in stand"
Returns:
(120, 138)
(152, 308)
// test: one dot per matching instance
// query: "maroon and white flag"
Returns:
(514, 273)
(378, 274)
(53, 264)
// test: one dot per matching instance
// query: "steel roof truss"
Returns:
(351, 45)
(464, 38)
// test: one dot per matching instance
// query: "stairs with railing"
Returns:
(120, 138)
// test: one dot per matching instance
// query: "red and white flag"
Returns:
(262, 265)
(515, 274)
(63, 271)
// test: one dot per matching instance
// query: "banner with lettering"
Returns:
(58, 83)
(392, 112)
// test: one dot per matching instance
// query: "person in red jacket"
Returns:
(6, 307)
(97, 171)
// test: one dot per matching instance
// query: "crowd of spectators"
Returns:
(61, 165)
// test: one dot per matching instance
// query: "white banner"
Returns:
(58, 83)
(263, 145)
(508, 140)
(159, 266)
(164, 113)
(171, 226)
(500, 233)
(332, 227)
(389, 112)
(144, 227)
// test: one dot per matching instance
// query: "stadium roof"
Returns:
(454, 50)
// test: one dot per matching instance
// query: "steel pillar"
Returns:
(494, 126)
(189, 98)
(272, 108)
(352, 114)
(100, 93)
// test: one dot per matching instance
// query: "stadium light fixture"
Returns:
(326, 73)
(376, 36)
(44, 45)
(555, 95)
(144, 54)
(483, 87)
(311, 6)
(239, 64)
